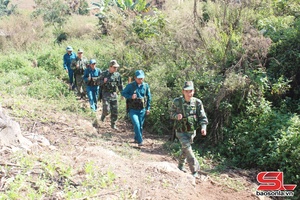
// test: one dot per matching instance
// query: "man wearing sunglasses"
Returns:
(110, 81)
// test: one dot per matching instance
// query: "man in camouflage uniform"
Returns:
(110, 80)
(189, 115)
(78, 66)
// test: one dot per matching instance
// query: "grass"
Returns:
(39, 176)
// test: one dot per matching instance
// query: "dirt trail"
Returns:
(147, 173)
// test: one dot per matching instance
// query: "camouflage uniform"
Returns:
(78, 66)
(194, 117)
(109, 93)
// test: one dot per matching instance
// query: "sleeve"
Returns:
(73, 64)
(174, 109)
(97, 80)
(149, 97)
(86, 75)
(120, 84)
(127, 92)
(102, 78)
(65, 62)
(202, 118)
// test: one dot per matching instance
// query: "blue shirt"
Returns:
(141, 91)
(68, 60)
(92, 73)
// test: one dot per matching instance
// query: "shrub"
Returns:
(22, 32)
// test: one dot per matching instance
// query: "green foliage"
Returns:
(82, 9)
(54, 12)
(54, 175)
(148, 26)
(52, 63)
(265, 139)
(111, 12)
(4, 8)
(13, 62)
(243, 59)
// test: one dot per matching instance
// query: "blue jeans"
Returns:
(93, 92)
(138, 117)
(71, 76)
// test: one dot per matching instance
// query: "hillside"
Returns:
(146, 173)
(89, 160)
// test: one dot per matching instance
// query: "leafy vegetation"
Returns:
(6, 8)
(243, 58)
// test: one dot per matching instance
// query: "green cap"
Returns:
(188, 85)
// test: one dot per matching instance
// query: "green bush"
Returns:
(265, 139)
(52, 63)
(13, 62)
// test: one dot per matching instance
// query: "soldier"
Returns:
(189, 114)
(110, 80)
(67, 59)
(138, 95)
(78, 66)
(92, 79)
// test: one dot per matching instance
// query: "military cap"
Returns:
(188, 85)
(92, 61)
(114, 63)
(139, 74)
(69, 48)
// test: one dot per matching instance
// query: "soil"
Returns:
(148, 172)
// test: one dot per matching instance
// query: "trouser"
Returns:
(80, 84)
(71, 77)
(187, 154)
(138, 117)
(110, 105)
(93, 92)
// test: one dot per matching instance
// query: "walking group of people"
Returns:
(186, 110)
(104, 85)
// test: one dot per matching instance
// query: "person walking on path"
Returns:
(110, 80)
(78, 66)
(138, 96)
(67, 61)
(92, 79)
(189, 115)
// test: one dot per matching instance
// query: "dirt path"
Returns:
(147, 173)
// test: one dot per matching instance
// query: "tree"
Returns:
(4, 9)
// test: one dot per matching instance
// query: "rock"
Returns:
(10, 133)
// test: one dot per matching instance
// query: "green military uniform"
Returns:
(193, 117)
(78, 66)
(109, 93)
